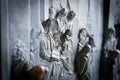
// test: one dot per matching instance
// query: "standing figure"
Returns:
(61, 18)
(52, 23)
(110, 57)
(110, 43)
(49, 54)
(82, 59)
(66, 52)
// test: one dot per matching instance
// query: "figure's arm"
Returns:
(85, 50)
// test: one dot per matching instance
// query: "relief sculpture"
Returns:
(54, 46)
(49, 53)
(66, 46)
(56, 42)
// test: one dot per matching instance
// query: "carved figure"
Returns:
(55, 26)
(61, 18)
(64, 19)
(49, 53)
(110, 43)
(83, 60)
(19, 58)
(19, 51)
(52, 23)
(82, 36)
(66, 46)
(111, 57)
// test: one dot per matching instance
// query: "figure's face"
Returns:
(51, 12)
(70, 15)
(83, 35)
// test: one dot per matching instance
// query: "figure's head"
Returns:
(68, 32)
(70, 15)
(82, 34)
(51, 12)
(111, 32)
